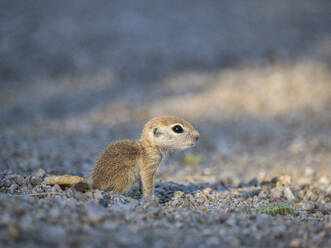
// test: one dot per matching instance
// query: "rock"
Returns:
(24, 189)
(305, 205)
(304, 181)
(262, 220)
(212, 242)
(309, 172)
(227, 180)
(13, 188)
(104, 201)
(284, 181)
(97, 195)
(55, 213)
(310, 196)
(207, 190)
(3, 183)
(262, 194)
(274, 181)
(19, 179)
(179, 194)
(40, 173)
(289, 195)
(231, 221)
(253, 182)
(266, 186)
(35, 180)
(277, 193)
(26, 180)
(94, 215)
(223, 217)
(81, 196)
(324, 180)
(57, 189)
(295, 243)
(13, 232)
(37, 189)
(56, 232)
(327, 206)
(328, 190)
(243, 185)
(297, 147)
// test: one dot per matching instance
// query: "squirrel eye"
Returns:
(178, 129)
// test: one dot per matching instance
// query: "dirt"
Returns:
(254, 79)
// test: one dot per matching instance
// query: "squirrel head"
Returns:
(170, 133)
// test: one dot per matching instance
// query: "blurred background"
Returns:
(252, 76)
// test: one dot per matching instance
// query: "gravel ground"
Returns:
(253, 78)
(200, 214)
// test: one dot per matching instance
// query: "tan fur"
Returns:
(123, 162)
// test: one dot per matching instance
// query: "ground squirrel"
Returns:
(123, 162)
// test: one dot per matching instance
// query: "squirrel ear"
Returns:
(156, 132)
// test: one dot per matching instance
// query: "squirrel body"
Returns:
(125, 161)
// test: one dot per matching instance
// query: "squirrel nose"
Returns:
(196, 135)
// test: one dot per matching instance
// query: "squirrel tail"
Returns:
(78, 183)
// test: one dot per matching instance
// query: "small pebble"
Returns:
(284, 180)
(57, 189)
(304, 205)
(277, 193)
(19, 179)
(224, 216)
(324, 180)
(289, 195)
(94, 216)
(253, 182)
(13, 188)
(13, 232)
(40, 173)
(295, 243)
(309, 172)
(97, 195)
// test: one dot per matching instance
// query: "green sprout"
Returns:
(277, 209)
